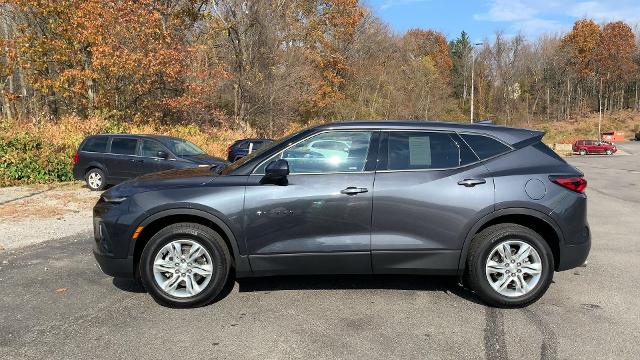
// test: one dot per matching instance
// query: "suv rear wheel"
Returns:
(95, 179)
(185, 265)
(509, 265)
(583, 152)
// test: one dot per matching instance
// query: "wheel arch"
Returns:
(95, 165)
(532, 219)
(162, 219)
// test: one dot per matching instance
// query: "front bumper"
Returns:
(112, 240)
(121, 268)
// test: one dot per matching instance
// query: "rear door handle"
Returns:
(471, 182)
(352, 190)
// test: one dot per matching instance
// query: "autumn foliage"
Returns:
(263, 65)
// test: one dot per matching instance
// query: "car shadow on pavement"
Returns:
(444, 284)
(448, 285)
(129, 285)
(134, 286)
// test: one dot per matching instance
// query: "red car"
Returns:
(584, 147)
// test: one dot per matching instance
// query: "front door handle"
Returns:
(352, 190)
(471, 182)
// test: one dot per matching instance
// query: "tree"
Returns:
(461, 57)
(614, 60)
(581, 44)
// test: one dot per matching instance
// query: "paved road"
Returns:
(590, 312)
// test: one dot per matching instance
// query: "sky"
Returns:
(482, 18)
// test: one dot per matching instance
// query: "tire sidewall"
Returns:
(99, 172)
(210, 240)
(532, 239)
(583, 153)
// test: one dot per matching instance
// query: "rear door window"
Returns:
(484, 146)
(96, 144)
(124, 146)
(415, 150)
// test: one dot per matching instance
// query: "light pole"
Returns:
(473, 62)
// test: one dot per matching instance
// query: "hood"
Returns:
(204, 159)
(170, 179)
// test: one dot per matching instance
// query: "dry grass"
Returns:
(567, 132)
(46, 201)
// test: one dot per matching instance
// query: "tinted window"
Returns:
(484, 146)
(422, 150)
(306, 157)
(150, 148)
(96, 144)
(124, 146)
(182, 147)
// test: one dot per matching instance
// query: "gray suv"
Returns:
(492, 205)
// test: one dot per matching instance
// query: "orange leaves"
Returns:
(607, 52)
(616, 48)
(122, 57)
(331, 25)
(430, 44)
(581, 43)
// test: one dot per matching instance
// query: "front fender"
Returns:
(216, 217)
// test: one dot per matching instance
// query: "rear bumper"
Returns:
(574, 255)
(121, 268)
(78, 174)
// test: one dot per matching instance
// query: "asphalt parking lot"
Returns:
(56, 304)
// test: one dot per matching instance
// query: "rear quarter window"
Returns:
(484, 146)
(96, 144)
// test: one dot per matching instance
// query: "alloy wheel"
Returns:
(182, 268)
(513, 268)
(95, 180)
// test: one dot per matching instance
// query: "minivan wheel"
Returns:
(95, 179)
(509, 265)
(185, 265)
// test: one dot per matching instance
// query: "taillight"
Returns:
(75, 158)
(573, 183)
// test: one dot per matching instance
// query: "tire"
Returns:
(583, 152)
(479, 277)
(183, 295)
(95, 179)
(608, 152)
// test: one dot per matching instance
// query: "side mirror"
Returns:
(276, 171)
(162, 154)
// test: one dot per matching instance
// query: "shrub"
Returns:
(43, 153)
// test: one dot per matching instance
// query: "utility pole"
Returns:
(473, 62)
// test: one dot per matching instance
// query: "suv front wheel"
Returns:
(509, 265)
(185, 265)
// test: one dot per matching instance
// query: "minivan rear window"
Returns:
(123, 146)
(484, 146)
(96, 144)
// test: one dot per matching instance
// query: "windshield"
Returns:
(182, 147)
(264, 148)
